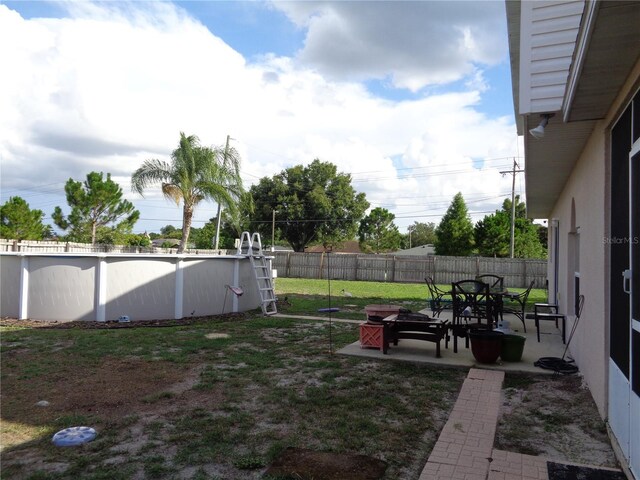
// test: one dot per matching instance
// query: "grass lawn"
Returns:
(306, 296)
(219, 398)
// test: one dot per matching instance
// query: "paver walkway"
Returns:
(464, 450)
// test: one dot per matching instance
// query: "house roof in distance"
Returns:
(416, 251)
(348, 246)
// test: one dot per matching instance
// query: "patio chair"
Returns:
(472, 304)
(495, 282)
(516, 303)
(549, 311)
(496, 286)
(437, 302)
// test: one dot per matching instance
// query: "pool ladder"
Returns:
(251, 247)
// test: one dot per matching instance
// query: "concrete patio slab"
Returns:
(550, 345)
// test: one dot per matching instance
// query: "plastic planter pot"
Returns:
(486, 345)
(512, 348)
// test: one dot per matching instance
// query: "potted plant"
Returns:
(512, 348)
(486, 345)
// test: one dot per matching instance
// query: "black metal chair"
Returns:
(516, 304)
(472, 304)
(549, 311)
(496, 287)
(496, 282)
(437, 300)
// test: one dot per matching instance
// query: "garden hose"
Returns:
(558, 365)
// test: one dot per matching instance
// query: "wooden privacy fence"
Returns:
(517, 273)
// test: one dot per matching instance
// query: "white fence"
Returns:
(35, 246)
(99, 286)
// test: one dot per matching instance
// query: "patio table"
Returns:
(415, 326)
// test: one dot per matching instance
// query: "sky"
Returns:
(412, 99)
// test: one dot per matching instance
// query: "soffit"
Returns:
(550, 160)
(513, 28)
(613, 49)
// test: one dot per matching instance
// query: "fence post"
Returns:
(357, 266)
(393, 268)
(287, 264)
(435, 269)
(321, 265)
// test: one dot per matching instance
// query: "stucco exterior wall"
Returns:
(587, 189)
(582, 201)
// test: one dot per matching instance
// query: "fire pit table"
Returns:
(415, 326)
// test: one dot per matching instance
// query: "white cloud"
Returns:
(114, 84)
(417, 43)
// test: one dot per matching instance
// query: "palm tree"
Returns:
(195, 173)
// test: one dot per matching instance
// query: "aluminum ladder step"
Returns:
(251, 247)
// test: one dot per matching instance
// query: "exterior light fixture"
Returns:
(538, 132)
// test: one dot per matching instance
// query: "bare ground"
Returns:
(549, 416)
(553, 417)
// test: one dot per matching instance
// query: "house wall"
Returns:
(585, 203)
(581, 215)
(105, 287)
(548, 32)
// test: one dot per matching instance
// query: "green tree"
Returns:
(169, 231)
(195, 173)
(493, 234)
(454, 234)
(313, 204)
(378, 233)
(421, 234)
(234, 223)
(19, 222)
(138, 240)
(95, 203)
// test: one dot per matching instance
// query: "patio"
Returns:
(550, 345)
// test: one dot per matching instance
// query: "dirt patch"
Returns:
(553, 417)
(87, 325)
(303, 464)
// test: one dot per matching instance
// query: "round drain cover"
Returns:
(72, 436)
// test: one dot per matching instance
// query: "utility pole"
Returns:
(273, 230)
(513, 201)
(226, 151)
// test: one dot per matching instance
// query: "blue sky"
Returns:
(412, 98)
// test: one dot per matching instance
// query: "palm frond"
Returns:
(172, 192)
(151, 172)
